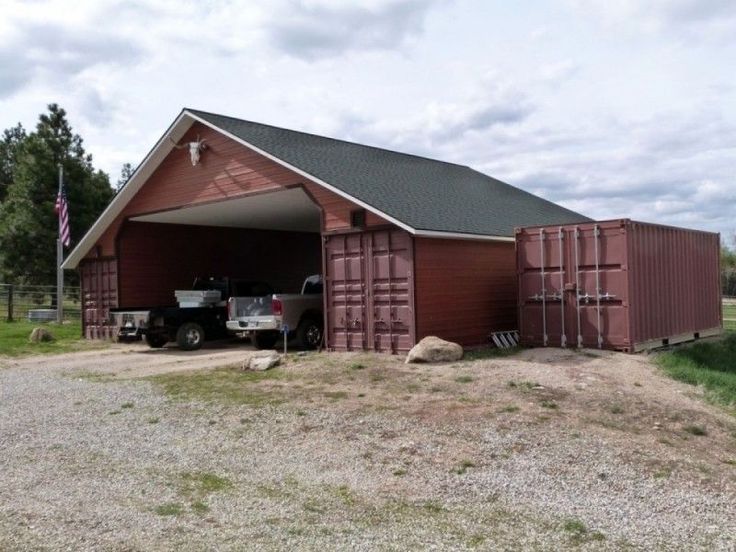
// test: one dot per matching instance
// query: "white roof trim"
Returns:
(157, 154)
(461, 236)
(162, 148)
(304, 174)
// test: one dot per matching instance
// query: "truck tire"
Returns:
(190, 336)
(265, 340)
(156, 341)
(309, 333)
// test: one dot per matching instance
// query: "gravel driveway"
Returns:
(126, 449)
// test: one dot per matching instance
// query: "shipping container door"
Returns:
(544, 305)
(598, 276)
(99, 295)
(345, 292)
(390, 295)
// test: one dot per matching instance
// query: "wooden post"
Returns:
(10, 303)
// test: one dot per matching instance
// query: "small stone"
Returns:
(264, 361)
(434, 349)
(40, 335)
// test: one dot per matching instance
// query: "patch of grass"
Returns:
(205, 482)
(228, 385)
(313, 506)
(433, 507)
(552, 405)
(400, 472)
(710, 364)
(616, 409)
(579, 533)
(663, 473)
(476, 540)
(489, 352)
(153, 420)
(464, 466)
(199, 507)
(356, 366)
(696, 430)
(67, 337)
(336, 395)
(464, 379)
(523, 385)
(510, 408)
(127, 405)
(169, 509)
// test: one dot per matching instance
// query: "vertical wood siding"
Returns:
(464, 289)
(155, 259)
(226, 170)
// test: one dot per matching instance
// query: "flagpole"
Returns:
(59, 260)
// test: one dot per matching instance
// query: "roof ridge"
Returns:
(424, 157)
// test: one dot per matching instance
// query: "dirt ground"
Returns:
(136, 449)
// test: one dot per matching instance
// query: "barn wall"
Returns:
(155, 259)
(226, 170)
(464, 289)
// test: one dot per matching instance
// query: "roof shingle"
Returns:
(425, 194)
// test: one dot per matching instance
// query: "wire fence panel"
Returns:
(37, 303)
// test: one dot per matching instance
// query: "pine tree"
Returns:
(28, 224)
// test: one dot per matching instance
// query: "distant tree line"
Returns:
(728, 271)
(29, 164)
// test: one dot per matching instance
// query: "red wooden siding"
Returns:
(464, 289)
(226, 170)
(156, 259)
(337, 209)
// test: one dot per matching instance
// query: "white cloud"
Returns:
(615, 109)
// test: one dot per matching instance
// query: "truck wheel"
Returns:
(309, 333)
(265, 340)
(190, 336)
(156, 341)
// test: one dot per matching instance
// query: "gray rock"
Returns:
(40, 335)
(264, 361)
(434, 349)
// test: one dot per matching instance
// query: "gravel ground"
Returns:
(543, 450)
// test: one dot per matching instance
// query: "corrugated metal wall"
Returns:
(616, 284)
(369, 291)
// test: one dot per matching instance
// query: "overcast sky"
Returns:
(614, 109)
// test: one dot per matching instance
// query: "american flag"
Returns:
(62, 209)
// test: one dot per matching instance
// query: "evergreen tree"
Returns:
(10, 145)
(126, 172)
(28, 223)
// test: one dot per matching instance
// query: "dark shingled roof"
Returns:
(424, 194)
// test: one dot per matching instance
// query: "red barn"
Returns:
(408, 246)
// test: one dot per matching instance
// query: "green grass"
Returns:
(489, 352)
(169, 509)
(67, 337)
(729, 317)
(224, 385)
(710, 364)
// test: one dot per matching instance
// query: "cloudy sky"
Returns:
(614, 109)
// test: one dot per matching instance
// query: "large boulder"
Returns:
(434, 349)
(264, 361)
(40, 335)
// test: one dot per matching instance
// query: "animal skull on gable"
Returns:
(195, 148)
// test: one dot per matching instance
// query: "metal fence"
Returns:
(21, 302)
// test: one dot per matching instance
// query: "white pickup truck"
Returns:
(265, 318)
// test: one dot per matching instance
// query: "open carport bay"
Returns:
(162, 252)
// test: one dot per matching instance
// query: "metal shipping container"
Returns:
(617, 284)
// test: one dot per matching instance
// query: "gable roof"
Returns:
(424, 196)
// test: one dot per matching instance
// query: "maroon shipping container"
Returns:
(617, 284)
